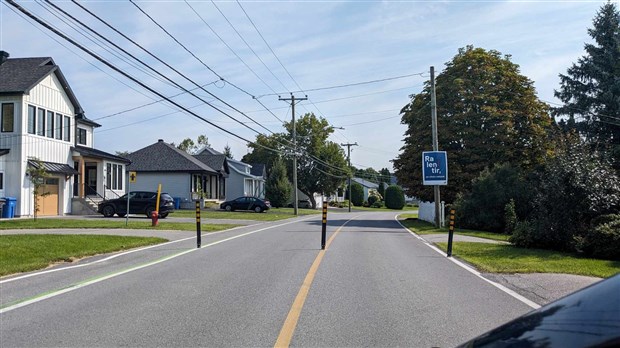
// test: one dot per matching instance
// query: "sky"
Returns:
(357, 62)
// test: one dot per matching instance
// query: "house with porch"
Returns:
(180, 174)
(41, 118)
(242, 181)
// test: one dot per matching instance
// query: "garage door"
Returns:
(48, 204)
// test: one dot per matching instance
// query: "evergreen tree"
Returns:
(278, 188)
(228, 152)
(590, 89)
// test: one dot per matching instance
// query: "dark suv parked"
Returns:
(140, 202)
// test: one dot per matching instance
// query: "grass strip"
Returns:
(273, 214)
(24, 253)
(41, 223)
(502, 258)
(405, 208)
(422, 227)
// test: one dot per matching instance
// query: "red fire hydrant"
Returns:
(154, 218)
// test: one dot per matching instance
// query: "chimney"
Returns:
(3, 56)
(160, 140)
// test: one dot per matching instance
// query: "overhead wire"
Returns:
(125, 74)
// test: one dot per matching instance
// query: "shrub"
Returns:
(576, 187)
(357, 194)
(510, 217)
(377, 204)
(343, 204)
(524, 234)
(394, 197)
(483, 207)
(603, 240)
(372, 200)
(277, 188)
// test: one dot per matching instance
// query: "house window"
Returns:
(32, 119)
(119, 176)
(108, 179)
(67, 131)
(41, 122)
(114, 179)
(81, 136)
(8, 117)
(50, 124)
(1, 181)
(59, 126)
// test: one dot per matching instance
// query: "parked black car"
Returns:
(246, 203)
(140, 202)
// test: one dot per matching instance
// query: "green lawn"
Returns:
(272, 214)
(23, 253)
(422, 227)
(56, 223)
(498, 258)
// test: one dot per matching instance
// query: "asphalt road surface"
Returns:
(262, 285)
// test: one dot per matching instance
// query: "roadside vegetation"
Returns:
(507, 258)
(24, 253)
(143, 224)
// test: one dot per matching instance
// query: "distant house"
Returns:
(242, 181)
(180, 174)
(41, 118)
(366, 185)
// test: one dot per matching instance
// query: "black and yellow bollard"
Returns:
(198, 241)
(324, 229)
(451, 232)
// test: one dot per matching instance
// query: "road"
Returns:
(374, 285)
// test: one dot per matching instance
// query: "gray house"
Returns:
(243, 179)
(366, 185)
(180, 173)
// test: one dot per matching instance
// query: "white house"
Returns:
(42, 118)
(242, 181)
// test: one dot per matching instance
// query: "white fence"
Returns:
(426, 212)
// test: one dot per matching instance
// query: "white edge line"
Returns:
(510, 292)
(131, 251)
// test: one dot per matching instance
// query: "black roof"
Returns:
(164, 157)
(217, 162)
(258, 169)
(54, 168)
(20, 75)
(90, 152)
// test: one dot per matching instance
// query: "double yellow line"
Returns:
(288, 329)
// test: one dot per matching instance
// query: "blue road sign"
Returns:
(434, 168)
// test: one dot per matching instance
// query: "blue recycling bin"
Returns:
(9, 207)
(177, 203)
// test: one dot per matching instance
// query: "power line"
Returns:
(111, 66)
(347, 85)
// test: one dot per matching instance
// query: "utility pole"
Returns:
(292, 99)
(348, 145)
(435, 141)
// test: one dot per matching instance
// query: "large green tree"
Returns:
(321, 164)
(590, 89)
(487, 112)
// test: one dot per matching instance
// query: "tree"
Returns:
(357, 194)
(123, 153)
(191, 147)
(385, 175)
(487, 113)
(37, 174)
(278, 188)
(394, 197)
(228, 152)
(321, 164)
(590, 89)
(381, 189)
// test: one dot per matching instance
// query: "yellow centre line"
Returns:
(286, 333)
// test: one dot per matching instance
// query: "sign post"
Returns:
(451, 232)
(132, 179)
